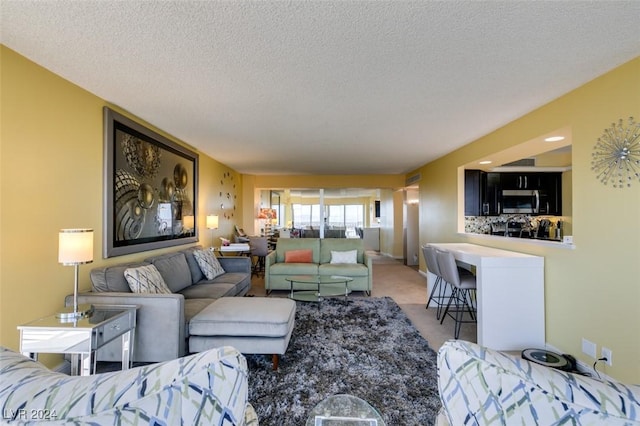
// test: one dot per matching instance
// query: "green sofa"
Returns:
(276, 269)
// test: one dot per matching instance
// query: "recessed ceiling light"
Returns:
(485, 162)
(554, 139)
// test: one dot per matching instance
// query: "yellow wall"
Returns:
(51, 178)
(594, 290)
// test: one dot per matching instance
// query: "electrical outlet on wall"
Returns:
(606, 353)
(589, 348)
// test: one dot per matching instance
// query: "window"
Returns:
(347, 217)
(335, 218)
(349, 209)
(338, 216)
(306, 215)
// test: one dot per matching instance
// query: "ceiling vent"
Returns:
(413, 179)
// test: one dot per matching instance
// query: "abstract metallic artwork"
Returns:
(616, 155)
(150, 189)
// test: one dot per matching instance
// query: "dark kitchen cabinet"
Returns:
(521, 180)
(551, 187)
(491, 194)
(472, 192)
(481, 193)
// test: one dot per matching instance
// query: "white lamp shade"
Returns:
(188, 222)
(75, 246)
(212, 222)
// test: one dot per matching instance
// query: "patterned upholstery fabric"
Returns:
(146, 279)
(209, 264)
(479, 386)
(209, 388)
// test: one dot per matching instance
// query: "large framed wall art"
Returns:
(150, 189)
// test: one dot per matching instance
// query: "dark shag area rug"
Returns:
(365, 347)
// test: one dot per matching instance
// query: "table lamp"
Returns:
(75, 247)
(212, 223)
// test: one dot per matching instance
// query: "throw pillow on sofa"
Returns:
(350, 256)
(208, 263)
(146, 279)
(298, 256)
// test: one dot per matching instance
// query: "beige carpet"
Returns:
(408, 288)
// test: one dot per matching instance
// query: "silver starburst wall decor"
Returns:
(616, 155)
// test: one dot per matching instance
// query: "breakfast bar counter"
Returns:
(510, 295)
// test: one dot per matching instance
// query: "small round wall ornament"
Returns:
(616, 155)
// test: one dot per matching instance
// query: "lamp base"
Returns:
(69, 314)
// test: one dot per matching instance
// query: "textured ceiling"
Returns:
(331, 87)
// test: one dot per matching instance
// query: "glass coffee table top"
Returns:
(325, 286)
(344, 410)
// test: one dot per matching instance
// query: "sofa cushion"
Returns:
(294, 269)
(196, 272)
(209, 264)
(241, 282)
(146, 279)
(213, 291)
(345, 269)
(111, 278)
(174, 269)
(341, 244)
(350, 256)
(192, 307)
(237, 316)
(298, 256)
(286, 244)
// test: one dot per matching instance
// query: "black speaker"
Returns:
(377, 208)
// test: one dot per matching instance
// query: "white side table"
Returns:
(236, 248)
(82, 338)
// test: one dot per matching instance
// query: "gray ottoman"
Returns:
(253, 325)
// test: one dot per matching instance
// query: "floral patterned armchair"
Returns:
(206, 388)
(479, 386)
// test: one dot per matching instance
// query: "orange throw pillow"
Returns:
(298, 256)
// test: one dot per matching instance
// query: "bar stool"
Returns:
(439, 290)
(259, 250)
(463, 293)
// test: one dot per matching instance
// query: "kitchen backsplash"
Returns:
(482, 224)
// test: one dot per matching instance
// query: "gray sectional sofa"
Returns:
(163, 319)
(277, 269)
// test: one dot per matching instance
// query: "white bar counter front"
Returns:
(510, 295)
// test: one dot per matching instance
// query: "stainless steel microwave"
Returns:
(524, 201)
